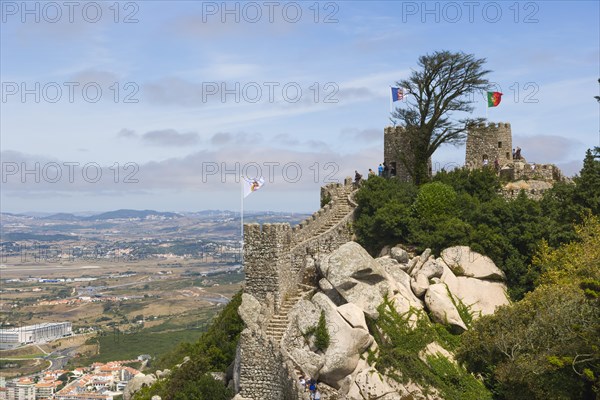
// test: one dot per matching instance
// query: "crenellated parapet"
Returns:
(266, 254)
(398, 152)
(279, 261)
(334, 198)
(275, 255)
(488, 142)
(532, 171)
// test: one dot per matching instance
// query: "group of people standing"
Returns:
(383, 170)
(516, 155)
(310, 385)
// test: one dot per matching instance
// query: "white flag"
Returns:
(252, 185)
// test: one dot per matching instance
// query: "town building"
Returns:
(39, 333)
(22, 389)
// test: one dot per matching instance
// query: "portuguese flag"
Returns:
(494, 98)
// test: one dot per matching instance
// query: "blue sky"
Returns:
(162, 135)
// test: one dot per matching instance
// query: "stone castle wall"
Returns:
(396, 145)
(335, 195)
(488, 141)
(531, 171)
(264, 374)
(275, 254)
(277, 260)
(265, 255)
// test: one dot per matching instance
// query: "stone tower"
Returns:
(396, 144)
(486, 142)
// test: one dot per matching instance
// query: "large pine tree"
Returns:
(438, 93)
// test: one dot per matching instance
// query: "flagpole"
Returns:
(391, 101)
(242, 221)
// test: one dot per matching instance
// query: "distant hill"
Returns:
(18, 236)
(138, 214)
(64, 217)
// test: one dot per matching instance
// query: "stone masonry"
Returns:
(486, 142)
(396, 146)
(279, 264)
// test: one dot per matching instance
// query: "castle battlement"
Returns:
(488, 142)
(493, 125)
(396, 147)
(334, 196)
(265, 250)
(275, 255)
(278, 261)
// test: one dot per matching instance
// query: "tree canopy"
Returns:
(440, 88)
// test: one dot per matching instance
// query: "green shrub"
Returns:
(435, 200)
(214, 351)
(321, 334)
(400, 345)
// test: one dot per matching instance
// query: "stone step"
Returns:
(280, 318)
(275, 333)
(278, 323)
(282, 326)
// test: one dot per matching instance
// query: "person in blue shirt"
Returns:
(380, 170)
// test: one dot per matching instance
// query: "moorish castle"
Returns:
(284, 274)
(486, 143)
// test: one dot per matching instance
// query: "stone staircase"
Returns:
(279, 322)
(341, 212)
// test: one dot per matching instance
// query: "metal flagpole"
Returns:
(242, 221)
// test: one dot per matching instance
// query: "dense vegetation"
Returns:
(464, 207)
(126, 346)
(547, 343)
(402, 355)
(213, 352)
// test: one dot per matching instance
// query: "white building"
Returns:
(23, 389)
(40, 333)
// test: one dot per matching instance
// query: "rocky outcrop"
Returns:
(351, 287)
(250, 311)
(370, 384)
(346, 344)
(465, 262)
(399, 254)
(136, 383)
(442, 308)
(356, 276)
(482, 296)
(353, 315)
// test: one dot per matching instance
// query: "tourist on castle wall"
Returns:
(312, 388)
(357, 178)
(303, 383)
(371, 173)
(380, 170)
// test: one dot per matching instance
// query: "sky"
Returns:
(164, 104)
